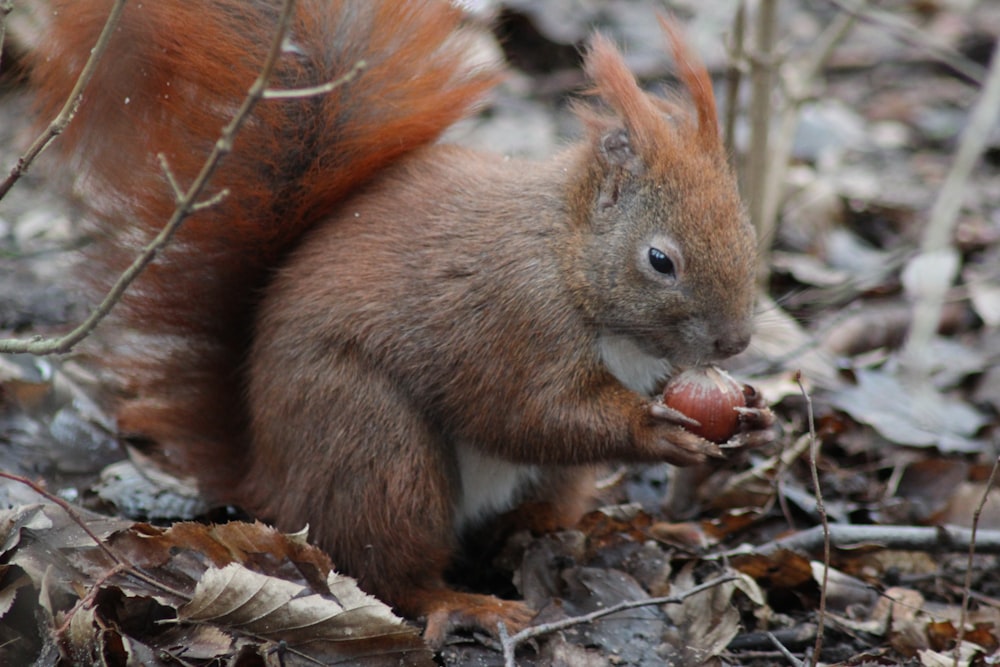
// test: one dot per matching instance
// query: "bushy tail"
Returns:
(173, 76)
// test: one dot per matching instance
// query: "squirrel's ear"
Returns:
(656, 127)
(634, 110)
(617, 159)
(616, 150)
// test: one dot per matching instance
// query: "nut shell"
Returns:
(709, 396)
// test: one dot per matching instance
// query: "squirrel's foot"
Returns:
(446, 611)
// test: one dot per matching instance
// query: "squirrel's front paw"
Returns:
(712, 405)
(664, 436)
(756, 422)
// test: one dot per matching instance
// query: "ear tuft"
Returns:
(616, 85)
(656, 127)
(695, 77)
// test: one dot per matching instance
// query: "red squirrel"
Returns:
(386, 338)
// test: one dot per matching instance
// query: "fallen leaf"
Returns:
(239, 584)
(705, 624)
(265, 606)
(842, 590)
(905, 415)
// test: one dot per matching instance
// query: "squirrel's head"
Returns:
(669, 256)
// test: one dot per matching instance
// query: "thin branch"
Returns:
(967, 592)
(5, 10)
(913, 36)
(784, 459)
(66, 507)
(936, 243)
(824, 519)
(795, 662)
(511, 643)
(734, 74)
(118, 560)
(87, 599)
(907, 538)
(312, 91)
(168, 173)
(187, 203)
(761, 78)
(211, 201)
(772, 131)
(799, 85)
(68, 110)
(185, 206)
(504, 637)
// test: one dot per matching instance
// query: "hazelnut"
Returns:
(708, 395)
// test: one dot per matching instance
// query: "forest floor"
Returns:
(889, 429)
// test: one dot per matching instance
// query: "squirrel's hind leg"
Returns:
(373, 482)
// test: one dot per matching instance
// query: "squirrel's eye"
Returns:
(660, 262)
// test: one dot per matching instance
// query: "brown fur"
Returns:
(172, 77)
(368, 308)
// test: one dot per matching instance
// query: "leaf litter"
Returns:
(911, 461)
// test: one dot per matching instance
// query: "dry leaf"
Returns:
(266, 606)
(842, 590)
(237, 587)
(705, 623)
(967, 652)
(904, 415)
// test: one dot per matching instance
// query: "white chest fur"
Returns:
(636, 369)
(489, 485)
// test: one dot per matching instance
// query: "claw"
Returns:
(697, 444)
(756, 417)
(738, 441)
(756, 429)
(753, 398)
(667, 413)
(712, 449)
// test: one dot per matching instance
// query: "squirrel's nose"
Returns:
(732, 344)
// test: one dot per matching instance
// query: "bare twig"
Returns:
(511, 643)
(68, 110)
(761, 76)
(910, 34)
(312, 91)
(906, 538)
(734, 74)
(66, 507)
(821, 510)
(936, 244)
(770, 142)
(972, 552)
(187, 202)
(504, 636)
(781, 461)
(5, 10)
(795, 662)
(168, 173)
(185, 205)
(118, 560)
(799, 84)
